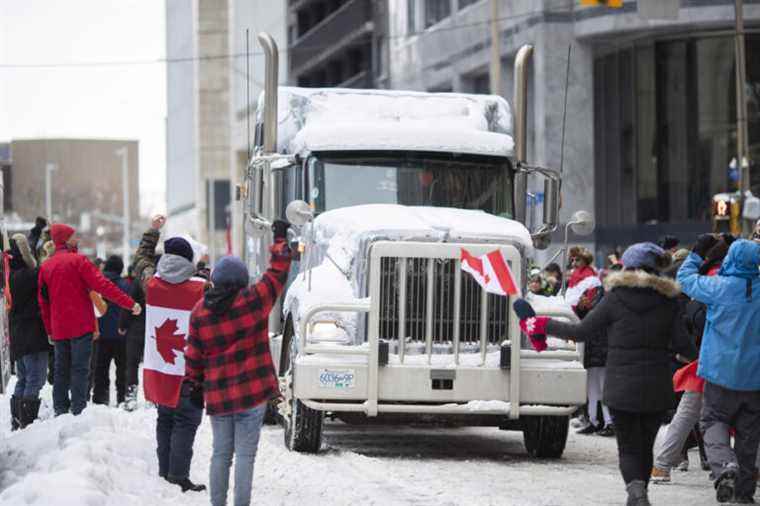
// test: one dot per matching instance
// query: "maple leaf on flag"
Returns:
(168, 341)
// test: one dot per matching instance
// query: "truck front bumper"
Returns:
(341, 383)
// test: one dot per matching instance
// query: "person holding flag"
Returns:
(642, 319)
(170, 295)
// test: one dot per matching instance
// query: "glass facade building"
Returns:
(665, 132)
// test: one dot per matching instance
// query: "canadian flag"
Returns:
(167, 321)
(491, 271)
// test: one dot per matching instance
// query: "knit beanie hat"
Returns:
(180, 247)
(230, 271)
(60, 233)
(115, 264)
(645, 255)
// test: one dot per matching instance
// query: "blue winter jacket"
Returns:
(730, 354)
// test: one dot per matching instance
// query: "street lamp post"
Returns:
(122, 152)
(50, 167)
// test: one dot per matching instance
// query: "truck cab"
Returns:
(379, 323)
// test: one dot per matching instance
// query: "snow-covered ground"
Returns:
(106, 457)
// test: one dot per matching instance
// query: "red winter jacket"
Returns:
(228, 350)
(65, 282)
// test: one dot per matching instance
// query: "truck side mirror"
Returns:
(299, 213)
(259, 176)
(551, 203)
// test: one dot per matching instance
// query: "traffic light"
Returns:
(615, 4)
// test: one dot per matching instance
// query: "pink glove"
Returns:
(535, 328)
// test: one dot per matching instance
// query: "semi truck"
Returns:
(378, 323)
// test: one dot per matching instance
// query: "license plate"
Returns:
(339, 379)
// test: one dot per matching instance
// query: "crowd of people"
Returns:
(202, 335)
(670, 333)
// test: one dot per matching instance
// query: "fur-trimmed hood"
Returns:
(642, 279)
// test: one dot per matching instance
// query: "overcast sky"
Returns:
(105, 101)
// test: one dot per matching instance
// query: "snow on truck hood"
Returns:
(348, 226)
(322, 119)
(340, 233)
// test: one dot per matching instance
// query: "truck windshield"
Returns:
(483, 183)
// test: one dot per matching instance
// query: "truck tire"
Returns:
(545, 437)
(303, 430)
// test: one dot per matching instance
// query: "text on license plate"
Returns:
(336, 378)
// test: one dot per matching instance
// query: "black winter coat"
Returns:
(595, 352)
(27, 331)
(644, 328)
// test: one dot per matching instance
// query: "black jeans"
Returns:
(175, 434)
(135, 346)
(107, 350)
(636, 433)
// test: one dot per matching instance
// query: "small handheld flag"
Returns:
(491, 272)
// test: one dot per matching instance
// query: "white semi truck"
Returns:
(379, 324)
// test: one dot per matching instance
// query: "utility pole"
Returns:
(127, 222)
(50, 167)
(495, 70)
(742, 150)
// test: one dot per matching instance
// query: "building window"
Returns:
(436, 10)
(466, 3)
(218, 202)
(411, 17)
(665, 129)
(478, 83)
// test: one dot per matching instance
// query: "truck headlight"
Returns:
(328, 331)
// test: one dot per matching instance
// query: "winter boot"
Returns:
(607, 431)
(15, 412)
(30, 408)
(724, 485)
(588, 429)
(185, 484)
(660, 475)
(637, 494)
(130, 402)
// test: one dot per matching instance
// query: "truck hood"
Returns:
(349, 226)
(341, 234)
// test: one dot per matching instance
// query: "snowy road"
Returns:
(106, 457)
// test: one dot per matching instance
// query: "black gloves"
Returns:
(280, 229)
(703, 244)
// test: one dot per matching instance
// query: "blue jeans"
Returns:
(236, 434)
(31, 371)
(72, 367)
(175, 434)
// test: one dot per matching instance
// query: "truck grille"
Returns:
(420, 306)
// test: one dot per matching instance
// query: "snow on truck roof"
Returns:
(340, 119)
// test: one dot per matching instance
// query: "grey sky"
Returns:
(120, 101)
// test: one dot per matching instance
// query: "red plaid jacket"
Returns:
(229, 353)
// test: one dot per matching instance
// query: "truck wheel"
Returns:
(303, 425)
(303, 429)
(545, 436)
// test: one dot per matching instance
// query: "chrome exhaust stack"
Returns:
(271, 55)
(521, 130)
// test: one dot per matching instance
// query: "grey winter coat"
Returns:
(644, 328)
